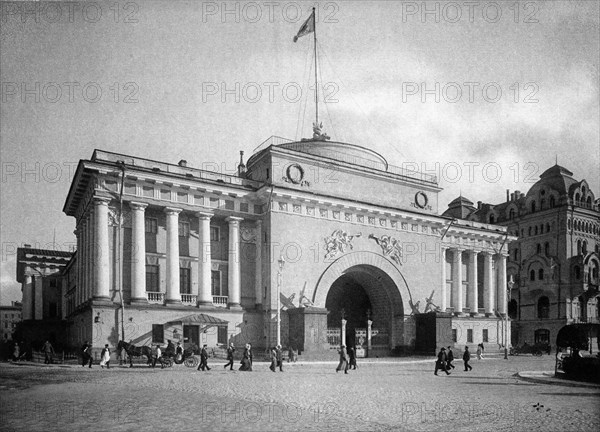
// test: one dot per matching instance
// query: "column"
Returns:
(88, 253)
(101, 249)
(80, 263)
(473, 281)
(488, 293)
(258, 268)
(38, 312)
(457, 297)
(27, 290)
(233, 277)
(369, 330)
(173, 294)
(444, 277)
(343, 336)
(138, 252)
(501, 287)
(204, 260)
(78, 272)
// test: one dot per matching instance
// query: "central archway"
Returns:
(362, 281)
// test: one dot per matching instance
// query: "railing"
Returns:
(334, 337)
(189, 299)
(220, 301)
(155, 297)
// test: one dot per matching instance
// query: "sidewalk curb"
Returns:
(541, 377)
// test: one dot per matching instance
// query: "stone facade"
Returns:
(553, 262)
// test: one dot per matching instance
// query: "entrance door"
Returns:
(191, 336)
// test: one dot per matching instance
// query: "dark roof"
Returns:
(46, 252)
(556, 177)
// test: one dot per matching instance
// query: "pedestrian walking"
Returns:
(86, 354)
(466, 358)
(48, 351)
(291, 355)
(105, 357)
(479, 356)
(279, 357)
(16, 352)
(352, 357)
(273, 356)
(482, 349)
(343, 364)
(178, 352)
(230, 351)
(156, 356)
(440, 363)
(203, 359)
(247, 359)
(450, 355)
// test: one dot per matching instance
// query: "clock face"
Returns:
(295, 173)
(421, 199)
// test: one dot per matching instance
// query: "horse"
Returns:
(134, 351)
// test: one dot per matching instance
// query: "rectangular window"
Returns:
(158, 333)
(222, 335)
(151, 225)
(214, 234)
(454, 335)
(184, 229)
(152, 278)
(215, 279)
(470, 335)
(185, 281)
(484, 336)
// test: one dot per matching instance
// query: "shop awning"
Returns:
(200, 319)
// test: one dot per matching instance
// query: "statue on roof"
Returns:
(318, 134)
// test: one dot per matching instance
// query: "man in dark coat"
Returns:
(48, 351)
(203, 358)
(466, 358)
(450, 358)
(247, 359)
(441, 362)
(352, 357)
(343, 364)
(230, 351)
(279, 357)
(86, 354)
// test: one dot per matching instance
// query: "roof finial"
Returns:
(556, 158)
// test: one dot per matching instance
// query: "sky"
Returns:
(486, 96)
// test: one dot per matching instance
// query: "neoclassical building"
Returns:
(553, 263)
(354, 246)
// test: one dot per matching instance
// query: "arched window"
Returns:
(577, 271)
(530, 231)
(542, 229)
(492, 219)
(589, 202)
(582, 309)
(548, 227)
(532, 206)
(546, 248)
(541, 274)
(513, 309)
(536, 230)
(511, 214)
(516, 254)
(543, 307)
(577, 198)
(552, 202)
(584, 247)
(538, 249)
(532, 275)
(578, 247)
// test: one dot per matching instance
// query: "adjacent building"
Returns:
(10, 316)
(554, 261)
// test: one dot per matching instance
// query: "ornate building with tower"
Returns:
(553, 264)
(349, 248)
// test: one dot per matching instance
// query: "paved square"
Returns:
(379, 395)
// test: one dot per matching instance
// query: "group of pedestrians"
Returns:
(347, 359)
(87, 359)
(446, 357)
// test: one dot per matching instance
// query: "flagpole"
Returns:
(316, 83)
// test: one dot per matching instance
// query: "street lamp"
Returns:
(511, 284)
(281, 262)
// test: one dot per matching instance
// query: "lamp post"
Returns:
(281, 262)
(510, 284)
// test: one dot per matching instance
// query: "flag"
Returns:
(307, 27)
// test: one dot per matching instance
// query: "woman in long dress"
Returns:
(105, 357)
(247, 359)
(343, 360)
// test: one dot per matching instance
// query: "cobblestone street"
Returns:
(379, 395)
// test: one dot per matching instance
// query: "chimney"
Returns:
(27, 245)
(512, 196)
(479, 205)
(507, 195)
(241, 166)
(517, 195)
(182, 163)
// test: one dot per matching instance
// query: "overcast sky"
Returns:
(485, 96)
